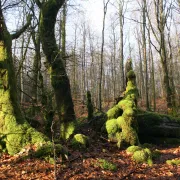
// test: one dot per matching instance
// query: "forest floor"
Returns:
(88, 164)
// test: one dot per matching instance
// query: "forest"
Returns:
(89, 89)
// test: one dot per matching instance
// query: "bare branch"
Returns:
(20, 31)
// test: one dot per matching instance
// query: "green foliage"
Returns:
(106, 165)
(173, 162)
(80, 141)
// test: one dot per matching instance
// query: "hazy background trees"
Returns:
(146, 31)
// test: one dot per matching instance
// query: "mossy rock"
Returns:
(143, 156)
(132, 149)
(173, 162)
(149, 119)
(80, 141)
(46, 150)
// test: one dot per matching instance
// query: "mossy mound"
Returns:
(114, 112)
(140, 154)
(132, 149)
(16, 136)
(106, 165)
(173, 162)
(46, 151)
(80, 141)
(143, 156)
(112, 128)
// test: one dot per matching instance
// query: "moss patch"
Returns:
(143, 156)
(173, 162)
(46, 151)
(106, 165)
(80, 141)
(132, 149)
(67, 129)
(114, 112)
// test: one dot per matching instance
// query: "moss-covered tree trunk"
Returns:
(123, 115)
(15, 132)
(59, 78)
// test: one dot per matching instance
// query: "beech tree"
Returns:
(59, 78)
(15, 132)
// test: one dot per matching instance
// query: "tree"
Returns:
(121, 23)
(15, 132)
(145, 54)
(102, 55)
(161, 19)
(59, 78)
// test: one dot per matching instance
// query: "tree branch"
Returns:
(39, 4)
(20, 31)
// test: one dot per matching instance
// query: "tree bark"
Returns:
(15, 132)
(59, 78)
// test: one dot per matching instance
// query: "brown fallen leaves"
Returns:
(83, 165)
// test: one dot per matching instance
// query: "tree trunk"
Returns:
(59, 78)
(15, 132)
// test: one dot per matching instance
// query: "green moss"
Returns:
(67, 129)
(132, 149)
(114, 112)
(125, 103)
(106, 165)
(143, 156)
(173, 162)
(120, 121)
(46, 149)
(149, 119)
(131, 75)
(80, 141)
(112, 127)
(156, 154)
(129, 112)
